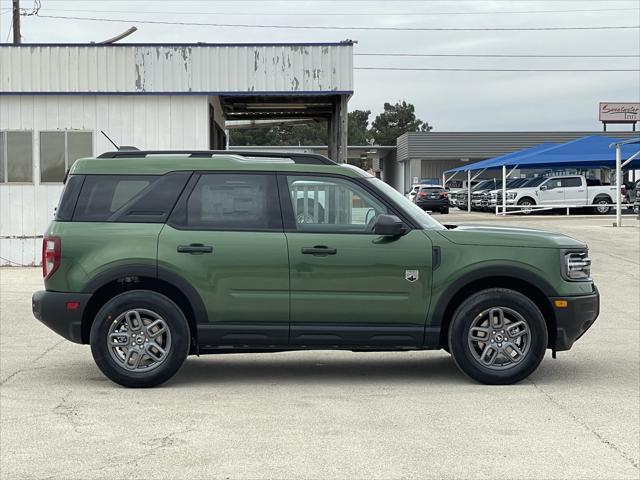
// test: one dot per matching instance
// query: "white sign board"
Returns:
(619, 112)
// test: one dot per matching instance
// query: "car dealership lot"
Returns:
(333, 414)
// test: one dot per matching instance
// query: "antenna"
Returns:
(110, 141)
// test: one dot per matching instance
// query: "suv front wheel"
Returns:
(498, 336)
(140, 338)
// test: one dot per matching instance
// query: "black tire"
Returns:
(526, 201)
(175, 322)
(470, 310)
(600, 202)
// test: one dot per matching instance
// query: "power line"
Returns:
(490, 55)
(412, 69)
(323, 14)
(325, 27)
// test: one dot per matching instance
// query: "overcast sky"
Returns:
(450, 101)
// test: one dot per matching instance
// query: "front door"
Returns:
(348, 285)
(552, 192)
(225, 238)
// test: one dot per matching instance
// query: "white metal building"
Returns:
(55, 100)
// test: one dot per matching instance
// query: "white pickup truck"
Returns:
(563, 190)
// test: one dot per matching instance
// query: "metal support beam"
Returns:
(469, 191)
(618, 184)
(447, 180)
(504, 189)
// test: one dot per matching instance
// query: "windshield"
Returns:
(534, 182)
(409, 208)
(482, 185)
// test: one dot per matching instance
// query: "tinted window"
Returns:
(572, 182)
(231, 202)
(128, 198)
(64, 212)
(551, 184)
(431, 189)
(323, 204)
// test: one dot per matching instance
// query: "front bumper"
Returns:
(61, 312)
(575, 319)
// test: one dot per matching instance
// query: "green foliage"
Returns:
(394, 121)
(389, 125)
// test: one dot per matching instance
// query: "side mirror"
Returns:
(543, 187)
(389, 226)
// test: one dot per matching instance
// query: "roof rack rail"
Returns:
(297, 157)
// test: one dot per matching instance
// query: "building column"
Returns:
(338, 129)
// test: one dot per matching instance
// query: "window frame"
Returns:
(288, 216)
(5, 158)
(66, 151)
(181, 205)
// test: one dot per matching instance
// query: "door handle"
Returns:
(319, 250)
(195, 248)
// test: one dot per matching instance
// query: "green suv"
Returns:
(153, 256)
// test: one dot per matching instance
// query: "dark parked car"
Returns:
(433, 198)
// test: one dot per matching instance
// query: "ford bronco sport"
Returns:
(153, 256)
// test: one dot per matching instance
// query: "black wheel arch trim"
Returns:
(152, 271)
(506, 272)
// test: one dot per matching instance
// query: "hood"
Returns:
(509, 237)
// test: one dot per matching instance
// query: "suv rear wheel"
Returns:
(498, 336)
(140, 338)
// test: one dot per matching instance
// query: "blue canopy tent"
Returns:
(592, 151)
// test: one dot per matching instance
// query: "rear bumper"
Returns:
(574, 320)
(435, 204)
(51, 309)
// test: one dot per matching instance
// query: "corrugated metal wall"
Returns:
(151, 122)
(481, 145)
(177, 68)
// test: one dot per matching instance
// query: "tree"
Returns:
(358, 133)
(394, 121)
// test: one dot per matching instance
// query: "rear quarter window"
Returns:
(128, 198)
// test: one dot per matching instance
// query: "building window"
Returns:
(16, 157)
(58, 151)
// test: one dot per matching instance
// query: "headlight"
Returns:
(511, 195)
(576, 265)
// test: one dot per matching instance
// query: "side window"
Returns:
(572, 182)
(324, 204)
(16, 157)
(58, 151)
(128, 198)
(551, 184)
(231, 201)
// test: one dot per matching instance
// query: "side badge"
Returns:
(411, 275)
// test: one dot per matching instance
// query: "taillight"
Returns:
(422, 194)
(443, 194)
(50, 255)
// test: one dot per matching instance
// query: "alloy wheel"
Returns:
(499, 338)
(139, 340)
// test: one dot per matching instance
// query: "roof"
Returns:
(482, 145)
(178, 69)
(590, 152)
(136, 163)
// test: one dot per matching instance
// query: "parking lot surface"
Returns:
(333, 414)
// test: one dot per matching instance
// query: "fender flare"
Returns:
(151, 271)
(437, 317)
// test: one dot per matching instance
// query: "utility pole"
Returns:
(16, 22)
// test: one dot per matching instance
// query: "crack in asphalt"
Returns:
(586, 426)
(26, 369)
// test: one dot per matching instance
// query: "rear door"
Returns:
(348, 285)
(225, 238)
(575, 193)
